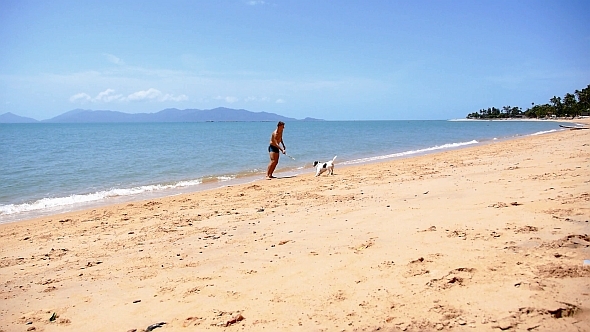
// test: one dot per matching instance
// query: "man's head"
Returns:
(280, 124)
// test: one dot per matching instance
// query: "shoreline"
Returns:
(286, 172)
(481, 238)
(153, 191)
(582, 119)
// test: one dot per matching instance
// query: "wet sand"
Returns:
(484, 238)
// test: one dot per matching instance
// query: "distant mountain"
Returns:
(13, 118)
(170, 115)
(85, 116)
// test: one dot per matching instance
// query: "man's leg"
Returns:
(274, 160)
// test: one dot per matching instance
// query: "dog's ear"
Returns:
(315, 163)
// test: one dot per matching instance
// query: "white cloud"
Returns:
(228, 99)
(254, 3)
(155, 94)
(280, 101)
(109, 95)
(105, 96)
(114, 59)
(262, 99)
(80, 97)
(148, 94)
(170, 97)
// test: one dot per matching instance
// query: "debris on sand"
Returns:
(154, 326)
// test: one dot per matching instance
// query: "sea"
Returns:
(50, 168)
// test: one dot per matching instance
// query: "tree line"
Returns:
(571, 105)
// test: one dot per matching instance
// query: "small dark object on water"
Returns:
(154, 326)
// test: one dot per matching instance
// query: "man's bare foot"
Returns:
(271, 177)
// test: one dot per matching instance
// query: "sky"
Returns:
(333, 60)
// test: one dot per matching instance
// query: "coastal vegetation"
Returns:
(571, 105)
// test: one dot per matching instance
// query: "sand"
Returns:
(486, 238)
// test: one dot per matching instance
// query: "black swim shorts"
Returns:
(272, 148)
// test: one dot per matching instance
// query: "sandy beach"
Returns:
(485, 238)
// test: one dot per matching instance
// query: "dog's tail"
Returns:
(334, 158)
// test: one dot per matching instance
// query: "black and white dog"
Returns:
(325, 166)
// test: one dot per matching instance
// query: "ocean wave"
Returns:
(411, 152)
(57, 202)
(219, 178)
(544, 132)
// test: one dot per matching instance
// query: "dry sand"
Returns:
(486, 238)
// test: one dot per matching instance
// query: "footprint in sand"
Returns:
(192, 321)
(553, 270)
(459, 276)
(570, 241)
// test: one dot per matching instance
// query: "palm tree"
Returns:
(570, 105)
(583, 99)
(557, 106)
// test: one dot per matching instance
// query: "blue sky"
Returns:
(335, 60)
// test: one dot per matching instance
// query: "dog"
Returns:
(325, 166)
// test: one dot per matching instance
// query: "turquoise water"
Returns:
(48, 168)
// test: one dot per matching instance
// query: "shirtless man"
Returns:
(273, 149)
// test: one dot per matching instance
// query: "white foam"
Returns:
(544, 132)
(411, 152)
(226, 178)
(49, 203)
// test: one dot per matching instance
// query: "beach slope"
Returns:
(485, 238)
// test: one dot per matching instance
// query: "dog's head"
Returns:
(318, 164)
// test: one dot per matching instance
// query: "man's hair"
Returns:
(281, 123)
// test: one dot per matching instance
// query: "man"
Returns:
(276, 138)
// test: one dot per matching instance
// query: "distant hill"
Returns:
(13, 118)
(167, 115)
(83, 116)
